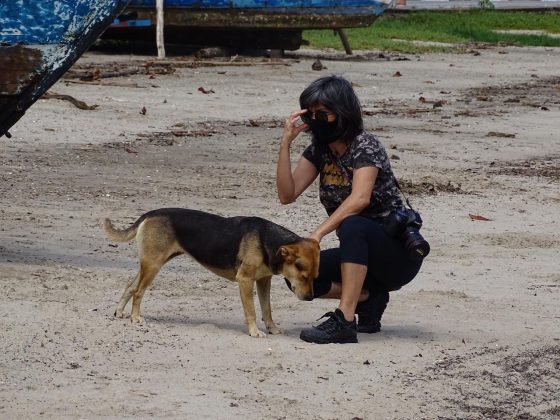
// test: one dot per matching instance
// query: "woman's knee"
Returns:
(351, 226)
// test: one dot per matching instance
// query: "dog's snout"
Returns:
(308, 297)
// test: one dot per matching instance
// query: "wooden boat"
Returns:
(39, 41)
(252, 23)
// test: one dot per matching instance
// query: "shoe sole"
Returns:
(347, 340)
(369, 330)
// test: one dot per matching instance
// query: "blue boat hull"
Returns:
(249, 23)
(274, 6)
(39, 41)
(260, 14)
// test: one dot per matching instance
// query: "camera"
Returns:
(406, 224)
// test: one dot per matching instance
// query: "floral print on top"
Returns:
(336, 174)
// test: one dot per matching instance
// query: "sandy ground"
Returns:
(475, 335)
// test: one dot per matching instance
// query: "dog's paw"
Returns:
(137, 319)
(119, 314)
(274, 330)
(257, 334)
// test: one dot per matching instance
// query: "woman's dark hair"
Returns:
(337, 94)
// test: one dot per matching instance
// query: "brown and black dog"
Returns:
(242, 249)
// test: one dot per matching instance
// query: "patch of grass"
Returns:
(398, 31)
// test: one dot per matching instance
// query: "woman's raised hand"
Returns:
(292, 128)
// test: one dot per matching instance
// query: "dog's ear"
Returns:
(286, 253)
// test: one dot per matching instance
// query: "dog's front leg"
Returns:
(263, 290)
(245, 278)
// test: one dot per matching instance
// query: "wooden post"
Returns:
(344, 40)
(159, 29)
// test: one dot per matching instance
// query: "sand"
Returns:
(475, 335)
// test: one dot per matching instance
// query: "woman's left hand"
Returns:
(316, 235)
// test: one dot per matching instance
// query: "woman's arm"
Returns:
(362, 186)
(290, 185)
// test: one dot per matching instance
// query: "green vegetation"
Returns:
(402, 31)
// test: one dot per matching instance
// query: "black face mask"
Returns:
(325, 132)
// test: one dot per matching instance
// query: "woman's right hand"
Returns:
(291, 128)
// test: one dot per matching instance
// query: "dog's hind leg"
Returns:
(148, 270)
(263, 290)
(128, 291)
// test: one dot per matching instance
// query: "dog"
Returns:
(244, 249)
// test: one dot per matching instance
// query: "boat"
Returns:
(273, 24)
(39, 41)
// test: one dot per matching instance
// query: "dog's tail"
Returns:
(125, 235)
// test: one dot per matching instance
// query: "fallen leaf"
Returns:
(205, 91)
(397, 74)
(499, 134)
(477, 217)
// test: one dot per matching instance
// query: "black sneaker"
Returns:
(370, 312)
(334, 330)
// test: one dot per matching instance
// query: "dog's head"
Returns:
(300, 266)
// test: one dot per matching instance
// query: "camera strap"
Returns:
(402, 193)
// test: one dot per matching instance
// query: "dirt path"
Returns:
(476, 335)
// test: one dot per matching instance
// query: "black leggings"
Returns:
(364, 241)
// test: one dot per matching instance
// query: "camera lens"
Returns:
(417, 247)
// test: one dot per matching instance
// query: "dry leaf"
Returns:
(499, 134)
(205, 91)
(481, 218)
